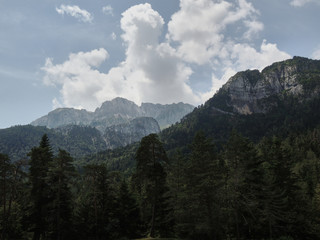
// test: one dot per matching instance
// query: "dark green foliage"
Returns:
(40, 159)
(12, 193)
(78, 140)
(149, 181)
(128, 213)
(60, 174)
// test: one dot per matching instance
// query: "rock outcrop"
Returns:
(117, 111)
(252, 91)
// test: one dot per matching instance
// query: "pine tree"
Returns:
(41, 158)
(201, 199)
(60, 176)
(128, 213)
(150, 181)
(243, 185)
(6, 175)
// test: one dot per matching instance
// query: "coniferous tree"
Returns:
(202, 197)
(60, 176)
(243, 185)
(96, 211)
(150, 181)
(128, 213)
(6, 175)
(41, 158)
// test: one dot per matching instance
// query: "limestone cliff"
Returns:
(252, 91)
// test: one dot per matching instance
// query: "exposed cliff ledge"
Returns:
(252, 91)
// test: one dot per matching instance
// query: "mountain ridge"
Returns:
(114, 112)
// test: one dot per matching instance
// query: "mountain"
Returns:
(117, 111)
(252, 91)
(116, 123)
(283, 98)
(78, 140)
(127, 133)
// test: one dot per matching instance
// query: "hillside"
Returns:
(282, 98)
(79, 141)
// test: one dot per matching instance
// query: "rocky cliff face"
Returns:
(133, 131)
(117, 111)
(252, 91)
(63, 117)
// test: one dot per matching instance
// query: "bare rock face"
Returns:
(252, 91)
(114, 112)
(119, 121)
(63, 117)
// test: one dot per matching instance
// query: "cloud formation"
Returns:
(75, 11)
(199, 27)
(300, 3)
(78, 78)
(108, 10)
(160, 71)
(316, 54)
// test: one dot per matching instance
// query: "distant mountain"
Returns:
(117, 111)
(124, 134)
(116, 123)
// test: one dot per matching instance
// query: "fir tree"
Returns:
(41, 158)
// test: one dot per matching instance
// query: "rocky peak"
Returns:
(248, 92)
(120, 106)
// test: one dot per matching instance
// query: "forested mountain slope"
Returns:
(284, 98)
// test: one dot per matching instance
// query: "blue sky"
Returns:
(80, 53)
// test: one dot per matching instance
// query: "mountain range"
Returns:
(283, 98)
(116, 123)
(115, 112)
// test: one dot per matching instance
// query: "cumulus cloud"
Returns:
(108, 10)
(151, 72)
(160, 71)
(316, 54)
(75, 11)
(199, 27)
(78, 78)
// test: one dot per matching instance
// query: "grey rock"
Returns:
(251, 91)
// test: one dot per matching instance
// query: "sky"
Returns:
(80, 53)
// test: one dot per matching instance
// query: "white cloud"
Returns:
(300, 3)
(199, 27)
(254, 27)
(155, 71)
(113, 36)
(151, 72)
(316, 54)
(78, 78)
(75, 11)
(108, 10)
